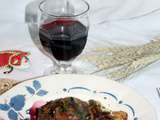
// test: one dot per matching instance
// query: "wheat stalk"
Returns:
(134, 67)
(128, 59)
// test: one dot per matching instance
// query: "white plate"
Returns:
(114, 96)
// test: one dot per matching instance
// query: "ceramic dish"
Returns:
(15, 103)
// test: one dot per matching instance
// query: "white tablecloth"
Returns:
(14, 35)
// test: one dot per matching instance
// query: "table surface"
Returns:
(123, 26)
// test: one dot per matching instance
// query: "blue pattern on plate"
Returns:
(30, 90)
(17, 102)
(110, 94)
(36, 85)
(76, 88)
(12, 115)
(130, 108)
(36, 89)
(4, 107)
(41, 93)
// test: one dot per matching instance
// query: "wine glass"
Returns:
(63, 30)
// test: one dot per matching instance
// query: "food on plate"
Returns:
(34, 107)
(71, 108)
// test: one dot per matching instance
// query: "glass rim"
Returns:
(66, 16)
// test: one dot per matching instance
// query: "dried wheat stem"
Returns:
(134, 67)
(128, 59)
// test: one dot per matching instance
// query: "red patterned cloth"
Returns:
(13, 59)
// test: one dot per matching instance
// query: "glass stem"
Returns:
(65, 67)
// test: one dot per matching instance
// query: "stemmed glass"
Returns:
(63, 30)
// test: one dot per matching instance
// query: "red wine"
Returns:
(64, 39)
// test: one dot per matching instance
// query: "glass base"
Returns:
(60, 69)
(77, 67)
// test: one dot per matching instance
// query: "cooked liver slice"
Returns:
(75, 109)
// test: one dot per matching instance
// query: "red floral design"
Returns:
(12, 58)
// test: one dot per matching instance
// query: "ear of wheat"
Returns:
(125, 60)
